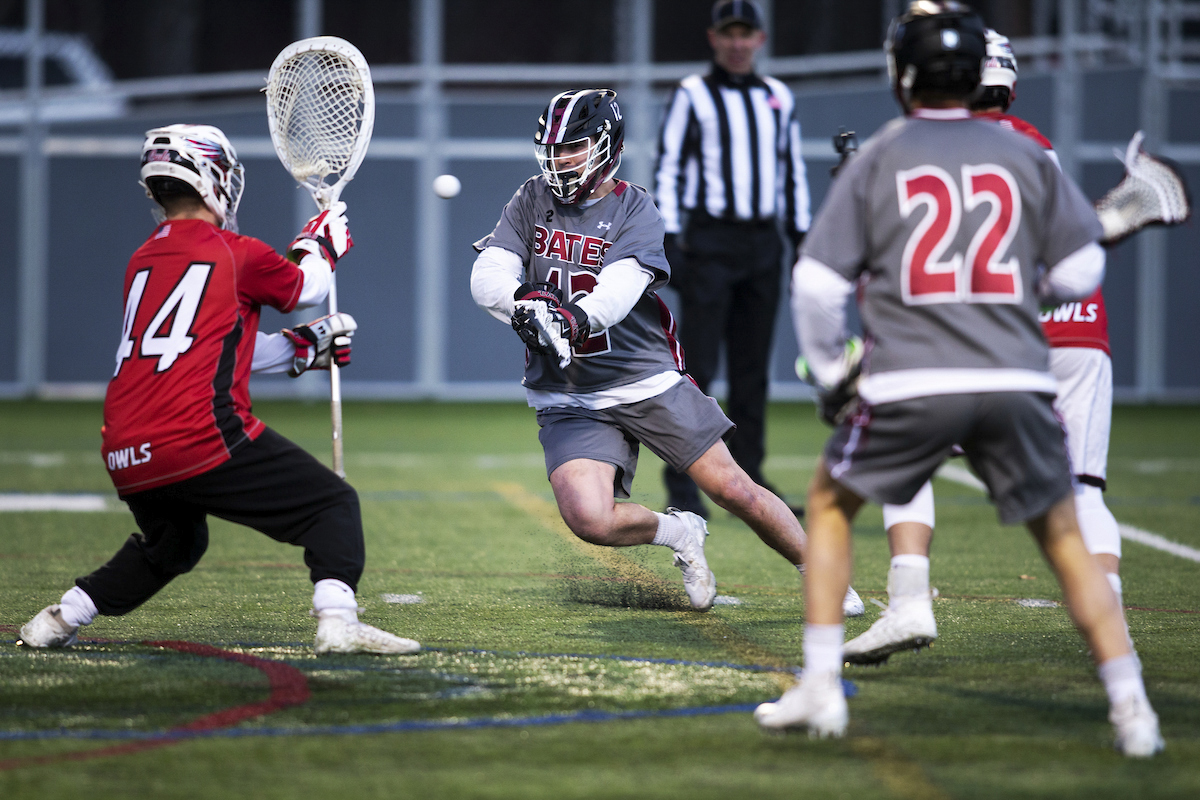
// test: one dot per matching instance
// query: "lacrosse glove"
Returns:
(838, 402)
(326, 235)
(323, 342)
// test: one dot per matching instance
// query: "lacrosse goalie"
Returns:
(572, 265)
(180, 442)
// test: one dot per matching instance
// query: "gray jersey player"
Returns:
(945, 219)
(572, 265)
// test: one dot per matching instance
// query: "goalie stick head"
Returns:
(199, 156)
(579, 141)
(935, 48)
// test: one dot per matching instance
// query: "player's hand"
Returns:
(322, 342)
(326, 235)
(837, 402)
(551, 330)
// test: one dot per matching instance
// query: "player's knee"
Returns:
(590, 524)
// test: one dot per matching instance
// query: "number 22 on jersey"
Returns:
(179, 310)
(929, 273)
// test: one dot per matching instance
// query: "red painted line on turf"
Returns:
(288, 685)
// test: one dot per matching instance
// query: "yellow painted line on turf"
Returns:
(900, 774)
(711, 627)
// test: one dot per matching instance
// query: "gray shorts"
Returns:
(1013, 440)
(678, 426)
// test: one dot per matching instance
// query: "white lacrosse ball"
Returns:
(446, 186)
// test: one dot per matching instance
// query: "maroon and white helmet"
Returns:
(579, 141)
(201, 157)
(999, 80)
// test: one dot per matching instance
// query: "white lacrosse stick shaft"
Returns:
(314, 143)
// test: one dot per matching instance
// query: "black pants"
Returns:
(270, 485)
(729, 290)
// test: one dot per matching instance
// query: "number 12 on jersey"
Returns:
(179, 309)
(929, 273)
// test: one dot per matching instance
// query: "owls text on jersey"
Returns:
(949, 240)
(568, 247)
(179, 402)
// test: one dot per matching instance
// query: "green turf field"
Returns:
(554, 669)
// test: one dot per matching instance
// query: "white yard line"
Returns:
(53, 502)
(964, 477)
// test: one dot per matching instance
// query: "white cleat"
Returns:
(338, 635)
(698, 579)
(852, 604)
(47, 629)
(816, 701)
(906, 624)
(1137, 728)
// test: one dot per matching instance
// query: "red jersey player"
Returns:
(180, 442)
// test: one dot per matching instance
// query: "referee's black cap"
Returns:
(728, 12)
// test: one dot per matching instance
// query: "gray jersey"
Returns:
(568, 246)
(948, 221)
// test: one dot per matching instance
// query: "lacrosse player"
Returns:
(950, 243)
(180, 442)
(1080, 361)
(572, 265)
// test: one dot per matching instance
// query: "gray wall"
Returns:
(99, 216)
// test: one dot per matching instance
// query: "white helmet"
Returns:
(201, 157)
(999, 73)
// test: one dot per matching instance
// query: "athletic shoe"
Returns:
(47, 629)
(338, 635)
(1137, 727)
(816, 701)
(698, 580)
(852, 604)
(906, 624)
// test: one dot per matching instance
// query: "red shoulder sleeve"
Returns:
(1021, 126)
(266, 278)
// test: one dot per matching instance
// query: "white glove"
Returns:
(326, 235)
(322, 342)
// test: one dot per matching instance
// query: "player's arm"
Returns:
(322, 241)
(1075, 277)
(819, 296)
(313, 345)
(618, 288)
(495, 278)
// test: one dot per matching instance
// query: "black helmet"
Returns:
(590, 120)
(937, 46)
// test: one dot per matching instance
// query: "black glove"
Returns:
(542, 290)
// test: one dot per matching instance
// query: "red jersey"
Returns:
(179, 401)
(1079, 324)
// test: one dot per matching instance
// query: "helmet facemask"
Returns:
(573, 170)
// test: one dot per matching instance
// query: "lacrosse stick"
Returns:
(321, 111)
(1151, 193)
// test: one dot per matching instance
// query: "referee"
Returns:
(729, 163)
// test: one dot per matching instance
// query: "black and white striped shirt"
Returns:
(731, 146)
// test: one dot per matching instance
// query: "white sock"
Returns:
(77, 607)
(1122, 678)
(908, 576)
(332, 597)
(800, 569)
(671, 531)
(823, 648)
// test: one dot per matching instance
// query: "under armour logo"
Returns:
(603, 225)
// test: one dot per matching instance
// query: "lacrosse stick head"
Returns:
(321, 112)
(1153, 192)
